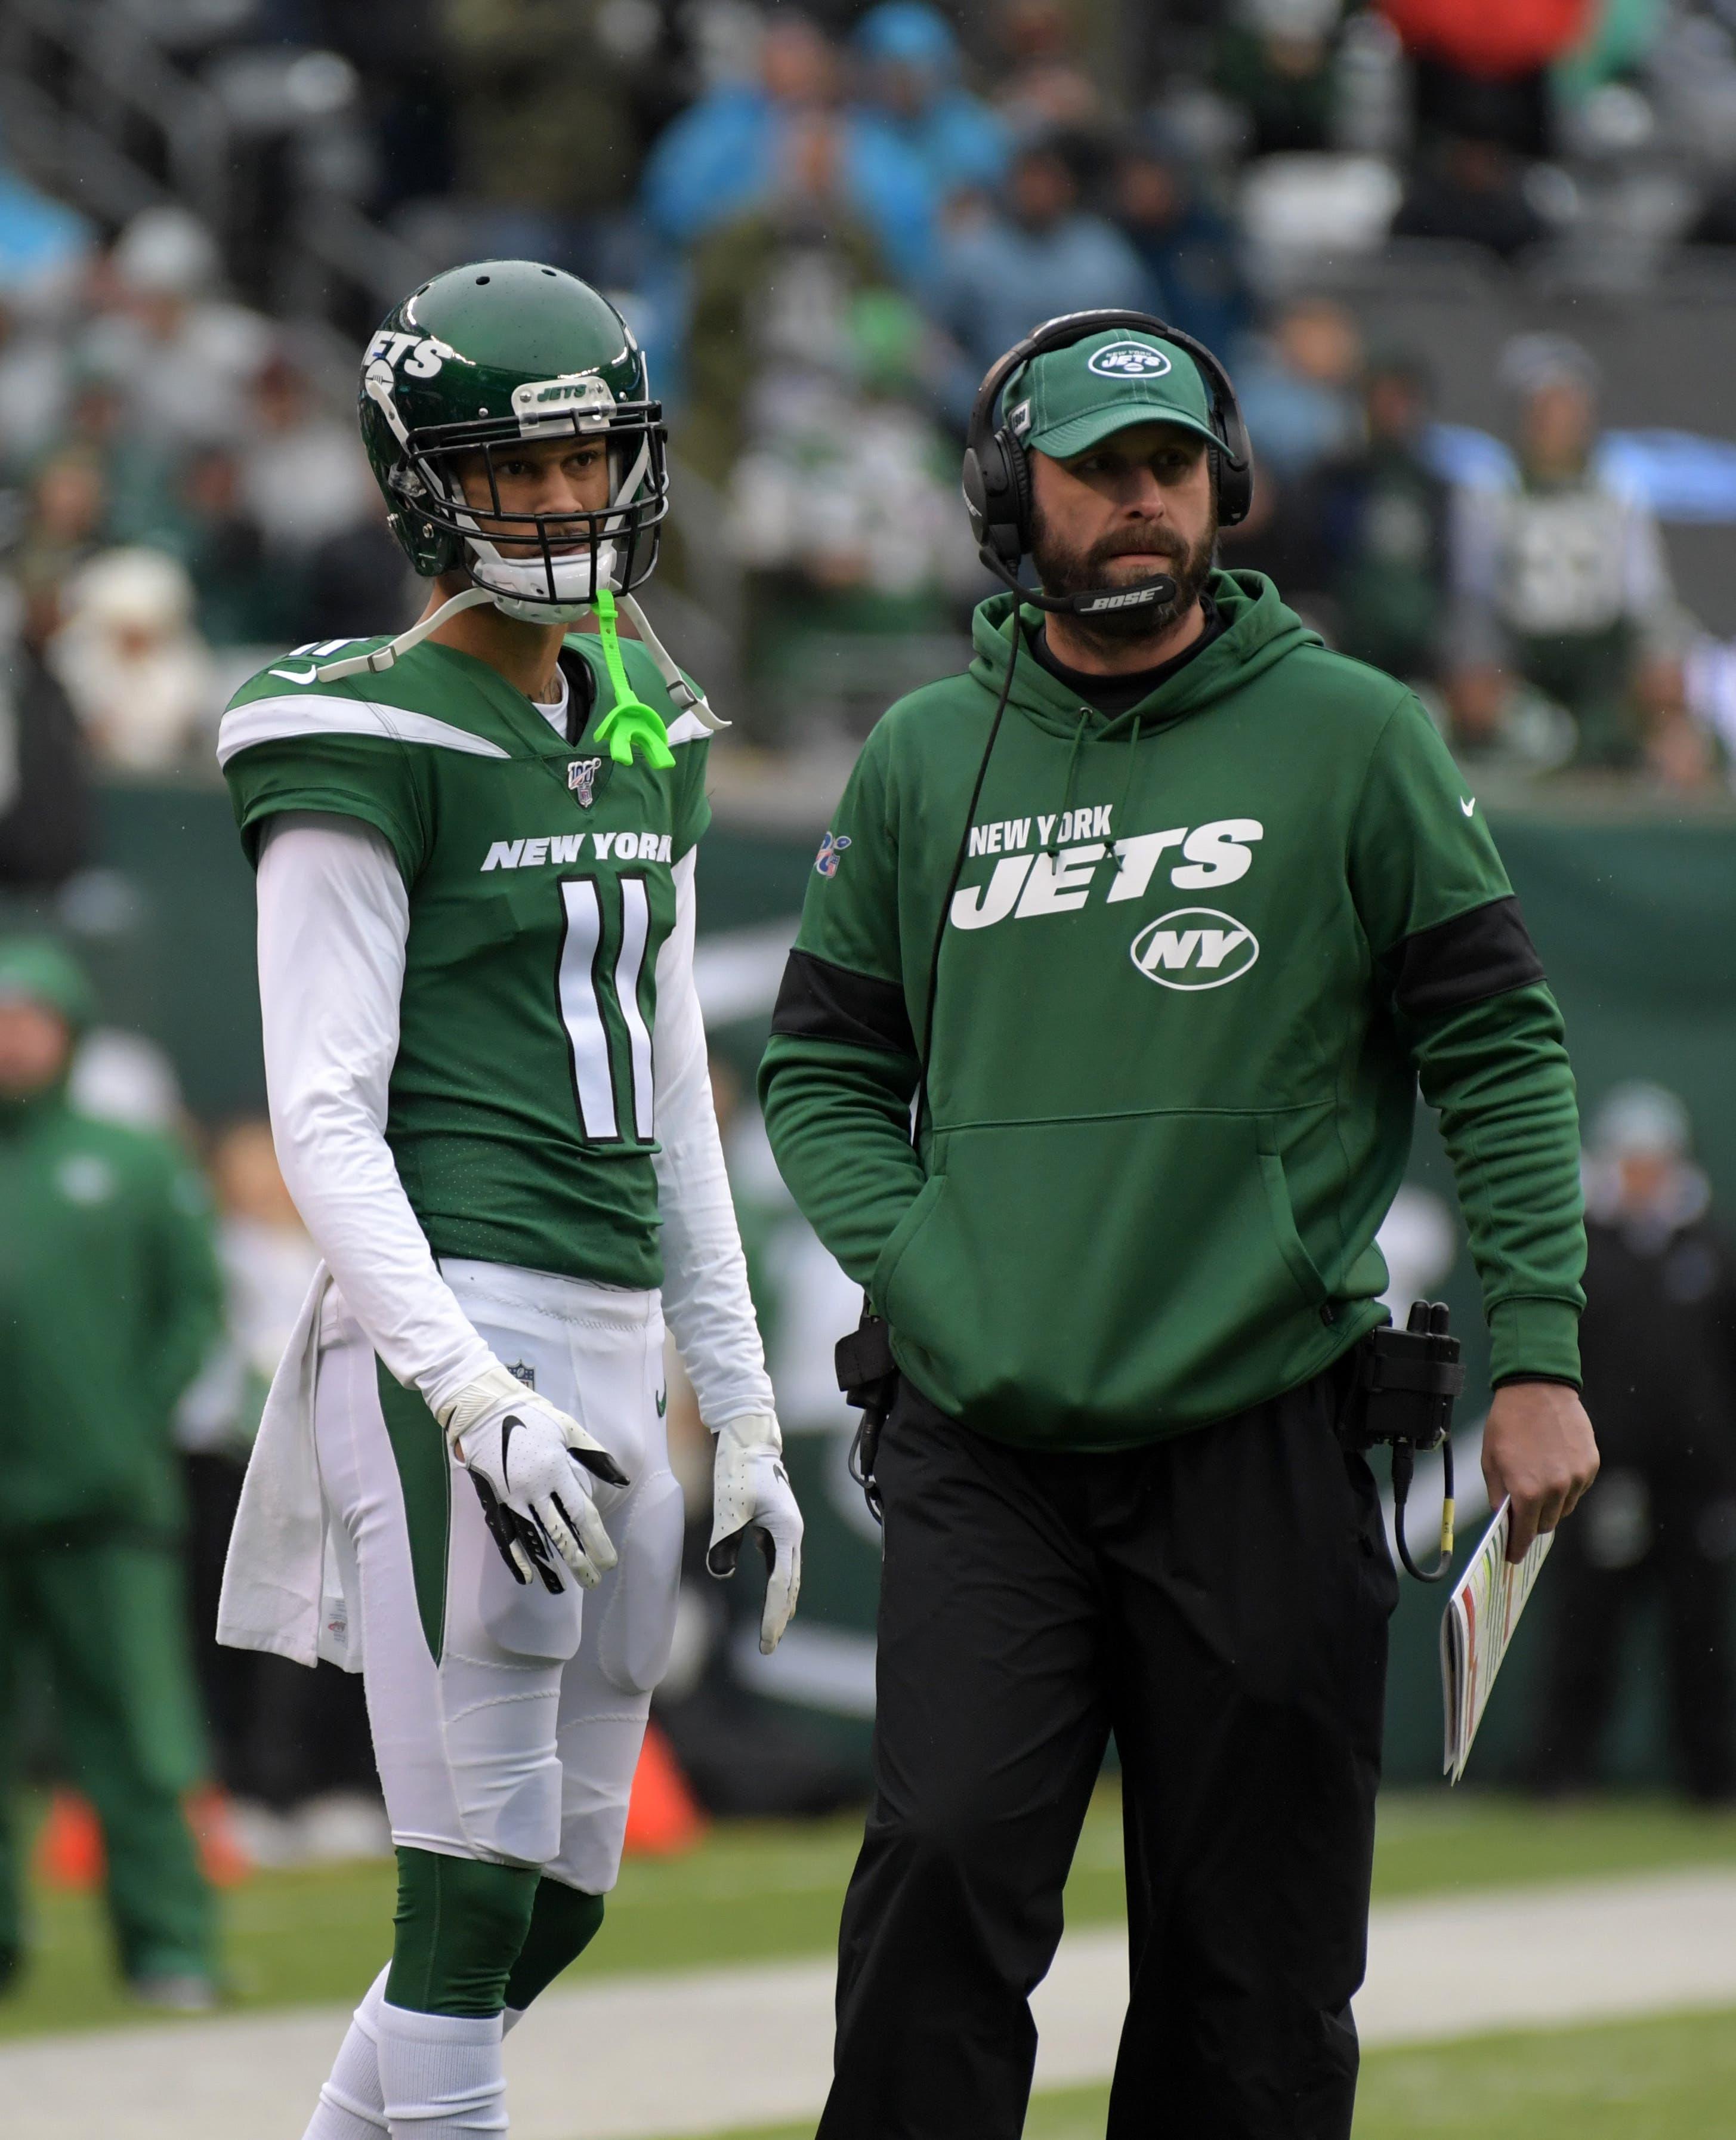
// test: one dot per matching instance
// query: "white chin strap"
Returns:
(384, 657)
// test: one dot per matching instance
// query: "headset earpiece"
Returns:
(997, 483)
(1233, 466)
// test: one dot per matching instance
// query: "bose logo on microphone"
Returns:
(1129, 359)
(1164, 591)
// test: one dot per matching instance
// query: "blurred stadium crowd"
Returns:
(824, 224)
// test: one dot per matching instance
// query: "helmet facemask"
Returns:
(544, 568)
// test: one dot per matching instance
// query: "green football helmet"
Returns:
(498, 352)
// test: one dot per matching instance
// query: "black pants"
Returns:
(1219, 1603)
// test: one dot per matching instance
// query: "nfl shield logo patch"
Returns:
(582, 778)
(524, 1373)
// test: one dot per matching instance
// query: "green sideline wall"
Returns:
(1635, 918)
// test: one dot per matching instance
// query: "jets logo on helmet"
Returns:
(477, 361)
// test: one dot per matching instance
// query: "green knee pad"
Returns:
(563, 1924)
(458, 1929)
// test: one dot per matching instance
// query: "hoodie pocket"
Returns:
(899, 1241)
(1098, 1280)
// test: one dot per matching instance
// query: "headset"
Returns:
(996, 473)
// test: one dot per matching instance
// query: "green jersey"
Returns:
(539, 877)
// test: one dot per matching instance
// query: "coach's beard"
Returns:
(1064, 571)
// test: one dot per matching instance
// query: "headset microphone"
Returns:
(1162, 589)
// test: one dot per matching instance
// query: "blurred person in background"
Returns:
(65, 521)
(139, 678)
(1659, 1351)
(239, 592)
(354, 583)
(543, 120)
(110, 1300)
(1299, 383)
(45, 797)
(1189, 248)
(843, 509)
(771, 291)
(268, 1262)
(1467, 188)
(44, 244)
(1044, 86)
(726, 153)
(1275, 61)
(35, 383)
(1483, 105)
(908, 67)
(180, 356)
(303, 477)
(1560, 580)
(1382, 516)
(1032, 252)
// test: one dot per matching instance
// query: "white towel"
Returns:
(281, 1589)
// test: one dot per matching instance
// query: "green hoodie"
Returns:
(110, 1300)
(1198, 958)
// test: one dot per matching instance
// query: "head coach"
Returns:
(1158, 916)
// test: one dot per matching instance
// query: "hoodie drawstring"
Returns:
(1051, 846)
(1133, 752)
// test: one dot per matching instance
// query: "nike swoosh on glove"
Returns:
(527, 1460)
(751, 1491)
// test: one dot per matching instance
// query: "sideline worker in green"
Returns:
(1157, 916)
(110, 1299)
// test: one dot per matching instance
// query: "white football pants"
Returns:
(506, 1721)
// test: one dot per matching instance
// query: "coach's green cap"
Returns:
(37, 970)
(1069, 399)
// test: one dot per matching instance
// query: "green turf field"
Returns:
(755, 1892)
(1672, 2079)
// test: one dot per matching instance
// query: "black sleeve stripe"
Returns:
(820, 1001)
(1484, 952)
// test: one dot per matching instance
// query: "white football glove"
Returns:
(527, 1460)
(751, 1491)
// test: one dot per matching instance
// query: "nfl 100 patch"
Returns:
(587, 777)
(831, 850)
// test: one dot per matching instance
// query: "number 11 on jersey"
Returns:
(584, 987)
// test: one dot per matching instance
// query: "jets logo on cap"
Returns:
(1128, 360)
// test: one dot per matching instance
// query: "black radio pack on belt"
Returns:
(868, 1376)
(1402, 1396)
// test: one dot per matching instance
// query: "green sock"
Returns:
(459, 1924)
(563, 1923)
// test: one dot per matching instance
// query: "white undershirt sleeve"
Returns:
(334, 919)
(705, 1298)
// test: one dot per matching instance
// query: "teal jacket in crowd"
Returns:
(1198, 957)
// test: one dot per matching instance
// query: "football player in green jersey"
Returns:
(474, 846)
